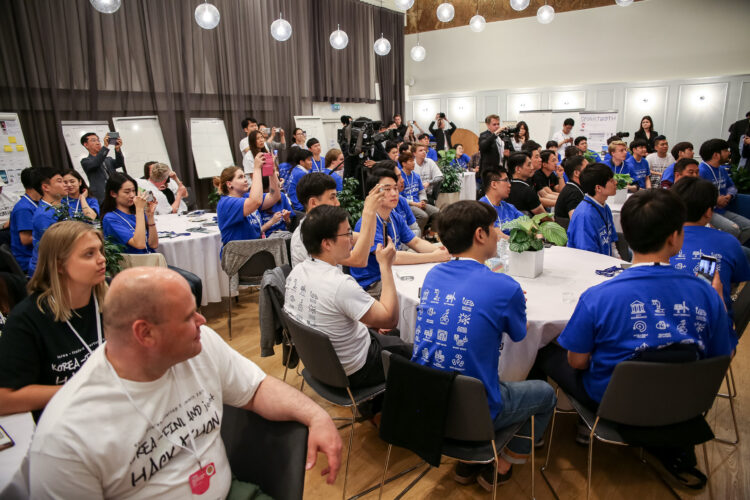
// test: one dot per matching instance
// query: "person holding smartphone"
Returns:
(97, 165)
(128, 217)
(77, 198)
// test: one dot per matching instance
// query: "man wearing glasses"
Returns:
(496, 191)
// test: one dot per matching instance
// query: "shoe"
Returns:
(540, 443)
(583, 433)
(485, 477)
(467, 473)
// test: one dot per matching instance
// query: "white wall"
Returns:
(649, 40)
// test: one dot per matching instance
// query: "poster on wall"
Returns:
(598, 127)
(14, 157)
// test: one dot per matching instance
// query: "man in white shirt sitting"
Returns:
(168, 190)
(563, 137)
(248, 125)
(142, 417)
(318, 294)
(428, 171)
(659, 160)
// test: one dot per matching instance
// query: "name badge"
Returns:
(201, 480)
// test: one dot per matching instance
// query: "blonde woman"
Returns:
(52, 332)
(335, 161)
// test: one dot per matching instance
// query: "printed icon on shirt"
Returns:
(425, 354)
(428, 333)
(700, 314)
(640, 326)
(699, 326)
(425, 294)
(665, 335)
(444, 319)
(661, 325)
(439, 358)
(697, 254)
(458, 361)
(682, 327)
(416, 333)
(442, 336)
(460, 341)
(467, 304)
(463, 319)
(450, 299)
(658, 309)
(680, 266)
(644, 346)
(680, 255)
(681, 309)
(637, 310)
(430, 312)
(436, 297)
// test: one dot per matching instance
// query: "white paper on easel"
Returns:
(210, 144)
(14, 157)
(73, 131)
(313, 127)
(142, 141)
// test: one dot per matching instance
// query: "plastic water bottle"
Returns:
(502, 253)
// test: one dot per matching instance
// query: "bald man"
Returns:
(141, 418)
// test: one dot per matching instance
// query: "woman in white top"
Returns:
(300, 138)
(520, 137)
(168, 190)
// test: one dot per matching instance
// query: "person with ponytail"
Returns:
(237, 211)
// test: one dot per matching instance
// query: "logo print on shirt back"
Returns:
(658, 309)
(681, 309)
(637, 310)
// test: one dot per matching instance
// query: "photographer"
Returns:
(97, 165)
(491, 145)
(269, 134)
(441, 135)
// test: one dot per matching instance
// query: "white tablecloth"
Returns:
(468, 186)
(197, 253)
(616, 209)
(20, 427)
(565, 270)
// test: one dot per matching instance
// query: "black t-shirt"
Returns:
(36, 349)
(541, 181)
(522, 196)
(570, 196)
(169, 194)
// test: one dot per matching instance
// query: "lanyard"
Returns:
(193, 450)
(382, 223)
(78, 203)
(622, 166)
(317, 167)
(717, 182)
(98, 327)
(487, 200)
(576, 186)
(31, 201)
(409, 183)
(117, 212)
(604, 219)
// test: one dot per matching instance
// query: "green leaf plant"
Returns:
(528, 233)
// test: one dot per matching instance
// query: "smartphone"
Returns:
(442, 115)
(150, 196)
(267, 167)
(267, 131)
(113, 136)
(5, 439)
(706, 268)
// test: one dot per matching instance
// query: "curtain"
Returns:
(390, 68)
(66, 61)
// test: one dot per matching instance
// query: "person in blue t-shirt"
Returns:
(607, 158)
(496, 190)
(638, 163)
(465, 309)
(679, 151)
(582, 143)
(403, 208)
(618, 165)
(50, 209)
(238, 212)
(462, 159)
(335, 161)
(699, 196)
(414, 191)
(21, 225)
(424, 139)
(302, 161)
(369, 277)
(318, 163)
(279, 216)
(649, 307)
(77, 197)
(128, 217)
(715, 154)
(592, 227)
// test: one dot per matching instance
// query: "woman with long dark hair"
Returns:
(127, 217)
(647, 133)
(78, 199)
(520, 137)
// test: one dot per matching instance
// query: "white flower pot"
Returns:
(621, 196)
(445, 199)
(526, 264)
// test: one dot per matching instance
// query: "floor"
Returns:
(617, 472)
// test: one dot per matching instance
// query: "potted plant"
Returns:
(527, 235)
(349, 200)
(623, 181)
(450, 188)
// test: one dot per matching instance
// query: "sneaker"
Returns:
(583, 433)
(485, 477)
(540, 443)
(466, 473)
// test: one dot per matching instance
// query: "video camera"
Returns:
(506, 134)
(622, 134)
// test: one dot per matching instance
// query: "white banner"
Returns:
(14, 157)
(598, 127)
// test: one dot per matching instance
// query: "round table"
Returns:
(468, 186)
(197, 253)
(616, 208)
(550, 300)
(20, 427)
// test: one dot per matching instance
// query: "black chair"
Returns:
(269, 454)
(469, 435)
(647, 394)
(290, 356)
(563, 221)
(324, 373)
(8, 263)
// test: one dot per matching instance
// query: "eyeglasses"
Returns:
(504, 179)
(349, 233)
(389, 189)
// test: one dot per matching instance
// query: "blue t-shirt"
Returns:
(668, 174)
(233, 223)
(730, 260)
(464, 310)
(336, 176)
(399, 233)
(285, 169)
(640, 169)
(266, 215)
(21, 219)
(412, 186)
(291, 186)
(318, 165)
(44, 217)
(120, 226)
(404, 210)
(592, 227)
(432, 154)
(644, 308)
(624, 168)
(462, 161)
(505, 212)
(720, 178)
(608, 157)
(75, 204)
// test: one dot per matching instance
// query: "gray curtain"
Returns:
(390, 68)
(66, 61)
